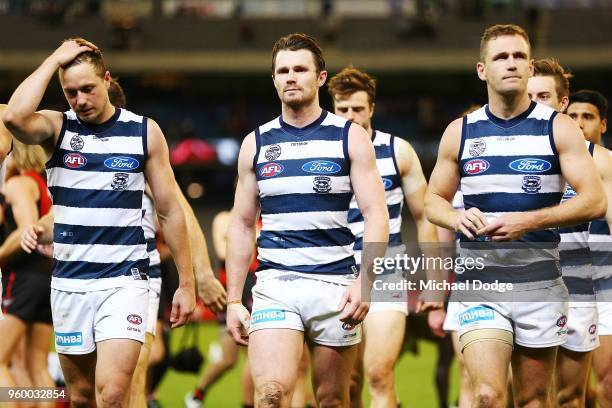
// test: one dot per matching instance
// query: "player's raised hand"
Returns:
(69, 50)
(469, 222)
(183, 305)
(29, 238)
(212, 293)
(354, 309)
(238, 321)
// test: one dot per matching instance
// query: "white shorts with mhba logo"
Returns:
(303, 302)
(82, 319)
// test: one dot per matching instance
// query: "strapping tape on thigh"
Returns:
(474, 336)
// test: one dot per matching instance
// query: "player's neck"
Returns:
(508, 107)
(107, 113)
(301, 116)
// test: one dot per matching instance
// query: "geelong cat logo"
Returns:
(476, 166)
(530, 165)
(321, 167)
(74, 160)
(271, 170)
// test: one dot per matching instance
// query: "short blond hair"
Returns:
(28, 157)
(551, 67)
(500, 30)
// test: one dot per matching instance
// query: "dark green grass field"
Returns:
(414, 377)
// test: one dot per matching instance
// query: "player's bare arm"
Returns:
(370, 196)
(172, 220)
(6, 138)
(21, 117)
(603, 162)
(443, 185)
(21, 194)
(414, 186)
(209, 288)
(241, 239)
(578, 169)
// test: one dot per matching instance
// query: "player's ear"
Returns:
(564, 104)
(322, 78)
(604, 125)
(480, 70)
(531, 68)
(372, 109)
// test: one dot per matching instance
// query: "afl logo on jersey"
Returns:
(476, 166)
(134, 319)
(74, 160)
(271, 170)
(530, 165)
(321, 167)
(121, 163)
(387, 183)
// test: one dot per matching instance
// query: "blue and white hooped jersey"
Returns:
(600, 243)
(150, 228)
(96, 180)
(513, 166)
(384, 146)
(576, 266)
(305, 190)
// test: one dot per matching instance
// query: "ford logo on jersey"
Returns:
(121, 163)
(569, 192)
(530, 165)
(476, 166)
(321, 167)
(387, 183)
(271, 170)
(74, 160)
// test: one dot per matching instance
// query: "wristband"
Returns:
(234, 302)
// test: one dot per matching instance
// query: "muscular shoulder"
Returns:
(603, 160)
(451, 139)
(405, 155)
(566, 133)
(19, 187)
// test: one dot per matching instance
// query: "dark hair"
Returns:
(351, 80)
(116, 94)
(500, 30)
(551, 67)
(592, 97)
(299, 41)
(93, 57)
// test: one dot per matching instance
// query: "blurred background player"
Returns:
(229, 349)
(511, 129)
(103, 277)
(550, 86)
(590, 109)
(301, 170)
(6, 142)
(27, 278)
(353, 93)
